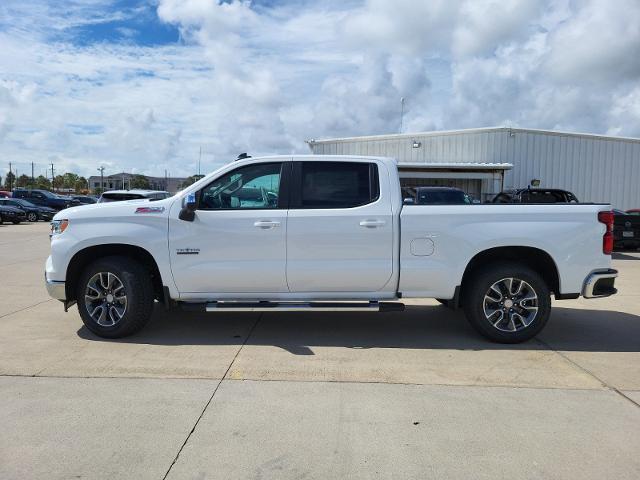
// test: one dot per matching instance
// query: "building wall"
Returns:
(595, 168)
(114, 182)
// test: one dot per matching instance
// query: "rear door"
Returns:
(340, 227)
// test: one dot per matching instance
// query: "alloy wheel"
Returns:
(105, 299)
(510, 304)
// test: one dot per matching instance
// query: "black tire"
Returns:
(138, 291)
(15, 222)
(32, 216)
(477, 289)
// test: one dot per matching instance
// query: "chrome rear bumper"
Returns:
(600, 284)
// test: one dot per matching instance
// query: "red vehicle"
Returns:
(634, 211)
(5, 194)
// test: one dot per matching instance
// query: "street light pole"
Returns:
(101, 170)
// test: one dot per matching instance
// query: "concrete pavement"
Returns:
(313, 395)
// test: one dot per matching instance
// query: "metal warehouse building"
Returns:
(483, 161)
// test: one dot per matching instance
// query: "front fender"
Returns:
(148, 232)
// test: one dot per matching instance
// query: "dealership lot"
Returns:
(408, 395)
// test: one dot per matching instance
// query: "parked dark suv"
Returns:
(535, 195)
(626, 231)
(46, 198)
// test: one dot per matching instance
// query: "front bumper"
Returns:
(56, 289)
(600, 284)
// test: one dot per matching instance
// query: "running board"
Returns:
(226, 306)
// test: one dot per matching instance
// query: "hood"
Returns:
(114, 209)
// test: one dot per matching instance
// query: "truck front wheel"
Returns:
(507, 303)
(115, 297)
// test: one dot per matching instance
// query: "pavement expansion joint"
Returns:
(587, 371)
(215, 390)
(26, 308)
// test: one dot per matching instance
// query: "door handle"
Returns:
(372, 223)
(266, 224)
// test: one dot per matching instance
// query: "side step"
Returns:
(232, 306)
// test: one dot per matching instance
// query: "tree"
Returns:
(10, 181)
(81, 185)
(139, 181)
(190, 180)
(69, 180)
(23, 181)
(58, 182)
(42, 183)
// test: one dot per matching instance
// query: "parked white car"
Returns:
(325, 233)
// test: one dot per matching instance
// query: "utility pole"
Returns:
(401, 113)
(199, 160)
(33, 181)
(53, 179)
(10, 179)
(101, 170)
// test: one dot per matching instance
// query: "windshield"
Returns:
(24, 203)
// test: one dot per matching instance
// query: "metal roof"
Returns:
(512, 130)
(456, 166)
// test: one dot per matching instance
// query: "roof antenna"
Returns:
(242, 156)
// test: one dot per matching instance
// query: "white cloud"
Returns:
(262, 79)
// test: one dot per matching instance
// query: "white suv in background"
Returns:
(121, 195)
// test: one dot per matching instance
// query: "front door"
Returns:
(339, 232)
(237, 241)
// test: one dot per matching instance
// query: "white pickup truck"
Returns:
(327, 233)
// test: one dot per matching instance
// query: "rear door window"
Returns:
(335, 184)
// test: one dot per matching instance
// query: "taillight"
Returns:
(607, 238)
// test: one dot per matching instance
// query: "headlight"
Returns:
(59, 226)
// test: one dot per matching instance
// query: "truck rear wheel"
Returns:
(115, 297)
(507, 303)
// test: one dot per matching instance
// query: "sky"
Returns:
(144, 86)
